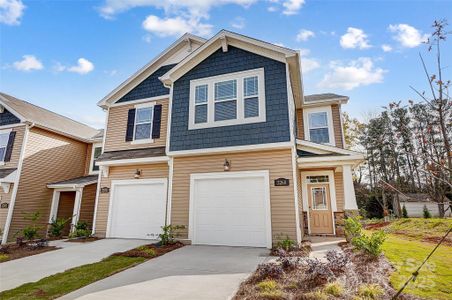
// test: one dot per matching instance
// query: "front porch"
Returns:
(74, 199)
(327, 190)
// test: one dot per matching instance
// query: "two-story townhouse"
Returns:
(46, 166)
(217, 136)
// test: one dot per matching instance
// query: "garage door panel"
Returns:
(230, 211)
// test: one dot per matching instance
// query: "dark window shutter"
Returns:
(157, 122)
(9, 148)
(130, 125)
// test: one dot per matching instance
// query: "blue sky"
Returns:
(67, 55)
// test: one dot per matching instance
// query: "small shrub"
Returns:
(31, 231)
(3, 257)
(274, 295)
(268, 271)
(404, 212)
(371, 245)
(318, 295)
(57, 226)
(286, 261)
(286, 244)
(169, 233)
(147, 250)
(267, 285)
(370, 291)
(334, 288)
(337, 261)
(426, 212)
(317, 272)
(81, 230)
(353, 228)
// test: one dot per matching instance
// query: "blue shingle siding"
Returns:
(275, 129)
(150, 87)
(7, 118)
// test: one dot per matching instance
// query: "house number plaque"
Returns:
(282, 182)
(105, 190)
(4, 205)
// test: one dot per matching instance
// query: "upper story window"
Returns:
(143, 123)
(230, 99)
(318, 125)
(96, 152)
(4, 138)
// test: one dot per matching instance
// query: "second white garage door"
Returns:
(137, 208)
(230, 209)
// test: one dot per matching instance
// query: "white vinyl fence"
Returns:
(416, 209)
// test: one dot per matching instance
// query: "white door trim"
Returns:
(265, 174)
(332, 186)
(115, 183)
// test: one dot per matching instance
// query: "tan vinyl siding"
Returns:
(88, 202)
(49, 157)
(123, 173)
(89, 151)
(117, 127)
(4, 198)
(337, 125)
(278, 162)
(300, 125)
(18, 141)
(66, 209)
(339, 182)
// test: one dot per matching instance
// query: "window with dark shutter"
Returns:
(10, 146)
(157, 121)
(130, 125)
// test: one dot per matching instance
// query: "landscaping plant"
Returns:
(57, 226)
(426, 212)
(286, 244)
(370, 244)
(353, 228)
(337, 261)
(169, 233)
(404, 212)
(31, 231)
(80, 230)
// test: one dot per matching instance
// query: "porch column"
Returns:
(54, 207)
(349, 189)
(77, 205)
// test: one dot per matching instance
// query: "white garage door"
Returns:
(137, 209)
(231, 209)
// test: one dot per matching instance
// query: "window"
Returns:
(97, 152)
(143, 123)
(236, 98)
(318, 127)
(4, 137)
(317, 179)
(319, 198)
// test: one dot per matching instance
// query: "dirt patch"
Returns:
(375, 226)
(150, 251)
(435, 240)
(84, 240)
(14, 251)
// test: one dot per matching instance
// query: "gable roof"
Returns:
(47, 119)
(224, 38)
(316, 99)
(164, 58)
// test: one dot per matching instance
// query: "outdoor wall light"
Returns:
(227, 165)
(137, 174)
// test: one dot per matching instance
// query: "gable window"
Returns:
(318, 125)
(143, 123)
(96, 152)
(4, 138)
(229, 99)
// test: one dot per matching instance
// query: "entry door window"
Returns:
(319, 198)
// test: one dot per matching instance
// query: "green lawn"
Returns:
(435, 278)
(62, 283)
(420, 228)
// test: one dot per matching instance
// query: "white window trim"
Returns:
(210, 81)
(150, 139)
(2, 159)
(91, 163)
(329, 113)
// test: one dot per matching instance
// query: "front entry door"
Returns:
(320, 209)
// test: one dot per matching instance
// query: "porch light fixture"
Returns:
(227, 165)
(137, 174)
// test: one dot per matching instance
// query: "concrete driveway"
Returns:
(191, 272)
(32, 268)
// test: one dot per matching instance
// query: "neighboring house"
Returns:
(216, 135)
(46, 166)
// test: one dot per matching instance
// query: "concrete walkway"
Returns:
(321, 245)
(191, 272)
(33, 268)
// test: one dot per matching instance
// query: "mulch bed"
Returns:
(15, 251)
(83, 240)
(150, 251)
(376, 225)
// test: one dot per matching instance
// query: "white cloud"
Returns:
(272, 8)
(83, 67)
(304, 35)
(354, 38)
(176, 26)
(28, 63)
(359, 72)
(11, 11)
(386, 48)
(308, 64)
(291, 7)
(407, 35)
(238, 23)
